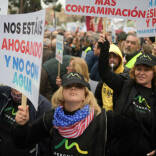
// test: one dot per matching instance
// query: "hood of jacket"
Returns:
(114, 49)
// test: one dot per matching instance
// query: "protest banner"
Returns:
(21, 51)
(3, 7)
(143, 11)
(59, 51)
(59, 48)
(126, 9)
(147, 27)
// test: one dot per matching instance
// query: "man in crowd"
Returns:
(103, 93)
(132, 50)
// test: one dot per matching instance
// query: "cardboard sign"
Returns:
(21, 51)
(59, 48)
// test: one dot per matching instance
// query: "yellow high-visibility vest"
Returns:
(131, 62)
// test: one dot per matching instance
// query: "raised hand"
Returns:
(102, 38)
(103, 43)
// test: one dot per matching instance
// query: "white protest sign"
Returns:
(3, 7)
(147, 27)
(127, 9)
(145, 31)
(21, 50)
(143, 11)
(59, 48)
(72, 26)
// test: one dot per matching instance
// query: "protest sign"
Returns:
(59, 48)
(147, 27)
(143, 30)
(3, 7)
(59, 51)
(21, 50)
(143, 11)
(73, 26)
(134, 9)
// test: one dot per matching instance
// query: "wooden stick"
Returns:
(104, 25)
(59, 69)
(24, 100)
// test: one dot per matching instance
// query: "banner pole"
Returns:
(59, 69)
(104, 25)
(24, 100)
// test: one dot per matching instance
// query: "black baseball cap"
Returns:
(146, 59)
(73, 78)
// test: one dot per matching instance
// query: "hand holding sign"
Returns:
(22, 115)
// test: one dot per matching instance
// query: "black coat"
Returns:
(124, 93)
(7, 145)
(103, 128)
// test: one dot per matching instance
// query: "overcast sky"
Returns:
(62, 2)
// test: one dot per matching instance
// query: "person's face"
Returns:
(74, 93)
(74, 41)
(114, 59)
(17, 96)
(144, 75)
(66, 34)
(147, 40)
(131, 44)
(70, 67)
(154, 50)
(82, 34)
(96, 50)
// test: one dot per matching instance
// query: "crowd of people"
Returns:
(103, 101)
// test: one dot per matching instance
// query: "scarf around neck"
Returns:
(72, 126)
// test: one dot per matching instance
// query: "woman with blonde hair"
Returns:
(89, 98)
(76, 64)
(75, 119)
(76, 126)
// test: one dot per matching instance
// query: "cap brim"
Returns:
(145, 63)
(85, 84)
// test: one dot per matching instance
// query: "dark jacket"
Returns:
(102, 128)
(8, 110)
(98, 93)
(92, 62)
(126, 92)
(73, 147)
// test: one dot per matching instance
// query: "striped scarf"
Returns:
(78, 125)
